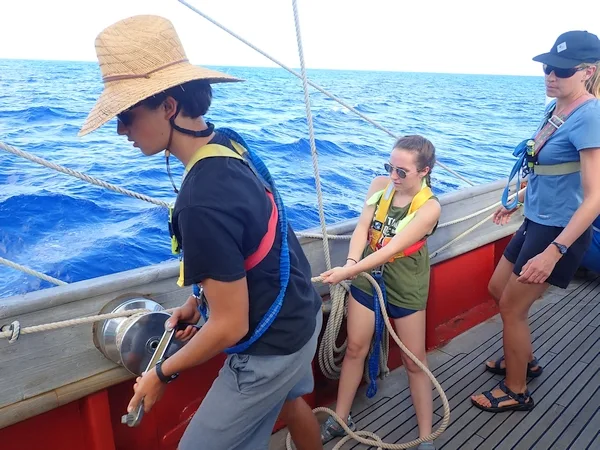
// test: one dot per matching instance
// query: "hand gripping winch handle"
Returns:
(134, 418)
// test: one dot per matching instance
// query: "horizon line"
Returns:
(84, 61)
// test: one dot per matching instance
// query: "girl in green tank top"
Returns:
(400, 212)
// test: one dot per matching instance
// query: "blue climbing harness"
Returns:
(261, 171)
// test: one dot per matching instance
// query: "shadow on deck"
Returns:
(565, 328)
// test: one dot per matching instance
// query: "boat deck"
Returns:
(565, 327)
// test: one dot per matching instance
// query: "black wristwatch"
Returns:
(561, 248)
(161, 376)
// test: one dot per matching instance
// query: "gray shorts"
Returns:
(242, 406)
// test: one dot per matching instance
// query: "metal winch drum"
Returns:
(131, 341)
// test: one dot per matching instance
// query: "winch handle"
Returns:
(134, 418)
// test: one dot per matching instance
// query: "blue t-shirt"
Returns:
(553, 199)
(220, 216)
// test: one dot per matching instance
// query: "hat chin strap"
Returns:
(167, 154)
(199, 134)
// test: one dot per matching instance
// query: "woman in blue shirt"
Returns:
(561, 200)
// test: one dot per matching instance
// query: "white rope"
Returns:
(72, 322)
(460, 236)
(311, 133)
(80, 175)
(29, 271)
(329, 354)
(470, 216)
(317, 87)
(328, 360)
(338, 297)
(339, 237)
(471, 229)
(376, 441)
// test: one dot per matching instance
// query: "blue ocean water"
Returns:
(72, 230)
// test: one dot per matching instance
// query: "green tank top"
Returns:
(406, 279)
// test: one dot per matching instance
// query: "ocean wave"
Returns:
(35, 114)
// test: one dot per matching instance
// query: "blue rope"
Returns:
(379, 329)
(284, 267)
(521, 165)
(202, 308)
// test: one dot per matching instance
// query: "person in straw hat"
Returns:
(230, 225)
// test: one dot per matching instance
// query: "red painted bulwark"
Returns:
(161, 428)
(457, 286)
(458, 300)
(94, 411)
(62, 428)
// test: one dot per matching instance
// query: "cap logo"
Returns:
(561, 47)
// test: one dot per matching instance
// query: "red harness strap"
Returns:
(415, 247)
(267, 241)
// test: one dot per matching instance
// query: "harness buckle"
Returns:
(556, 122)
(377, 271)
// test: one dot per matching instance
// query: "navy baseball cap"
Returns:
(571, 49)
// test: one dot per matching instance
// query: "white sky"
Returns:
(460, 36)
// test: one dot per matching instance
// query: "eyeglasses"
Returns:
(561, 73)
(389, 169)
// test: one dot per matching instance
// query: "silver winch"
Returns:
(132, 341)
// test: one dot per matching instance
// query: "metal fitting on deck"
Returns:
(15, 331)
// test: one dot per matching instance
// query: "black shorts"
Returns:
(531, 239)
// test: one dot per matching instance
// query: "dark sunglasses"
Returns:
(561, 73)
(389, 169)
(126, 118)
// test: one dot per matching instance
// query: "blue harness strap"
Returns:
(379, 330)
(520, 166)
(203, 308)
(525, 159)
(284, 267)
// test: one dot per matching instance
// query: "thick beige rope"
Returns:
(6, 334)
(29, 271)
(81, 176)
(338, 296)
(375, 440)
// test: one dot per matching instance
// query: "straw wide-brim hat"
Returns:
(141, 56)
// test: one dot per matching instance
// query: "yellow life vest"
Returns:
(383, 200)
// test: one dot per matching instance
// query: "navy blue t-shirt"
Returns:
(220, 216)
